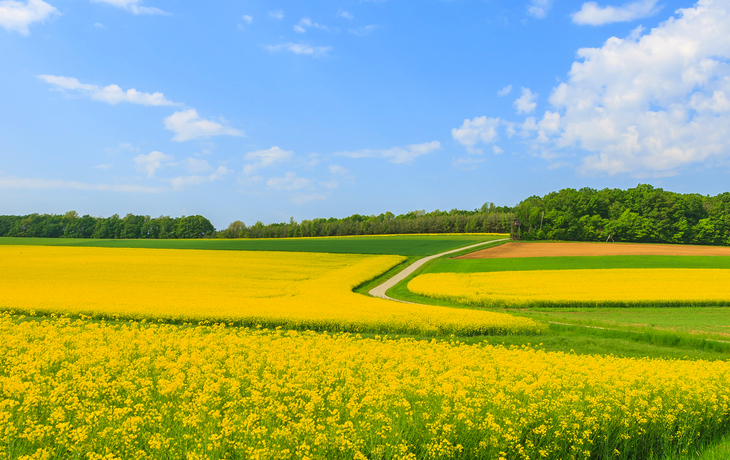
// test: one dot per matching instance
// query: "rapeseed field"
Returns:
(288, 289)
(137, 390)
(610, 287)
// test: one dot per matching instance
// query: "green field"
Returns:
(405, 245)
(711, 321)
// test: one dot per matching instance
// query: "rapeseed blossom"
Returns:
(132, 390)
(288, 289)
(607, 287)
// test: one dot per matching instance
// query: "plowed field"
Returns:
(511, 250)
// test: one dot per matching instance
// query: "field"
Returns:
(405, 245)
(618, 287)
(270, 289)
(96, 390)
(117, 353)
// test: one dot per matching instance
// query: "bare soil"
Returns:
(516, 249)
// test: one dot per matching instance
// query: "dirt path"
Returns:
(511, 250)
(380, 290)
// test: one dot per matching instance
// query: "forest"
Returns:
(639, 214)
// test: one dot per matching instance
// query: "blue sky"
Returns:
(271, 110)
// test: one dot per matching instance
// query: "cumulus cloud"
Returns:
(188, 125)
(346, 15)
(504, 91)
(539, 8)
(180, 182)
(396, 155)
(526, 103)
(594, 15)
(196, 165)
(472, 132)
(300, 49)
(12, 182)
(152, 162)
(339, 170)
(306, 23)
(265, 158)
(17, 16)
(276, 14)
(647, 105)
(290, 182)
(133, 6)
(247, 18)
(111, 94)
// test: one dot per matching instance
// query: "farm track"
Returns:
(381, 289)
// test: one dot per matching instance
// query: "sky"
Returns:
(267, 111)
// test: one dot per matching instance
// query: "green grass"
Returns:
(711, 322)
(406, 245)
(718, 450)
(449, 265)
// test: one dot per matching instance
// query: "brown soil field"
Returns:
(516, 249)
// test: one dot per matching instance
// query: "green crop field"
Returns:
(406, 245)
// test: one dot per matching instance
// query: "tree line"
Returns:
(71, 225)
(487, 219)
(641, 214)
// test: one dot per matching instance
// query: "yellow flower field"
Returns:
(610, 287)
(95, 390)
(293, 290)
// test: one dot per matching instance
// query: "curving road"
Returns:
(380, 290)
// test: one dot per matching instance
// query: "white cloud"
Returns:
(472, 132)
(99, 25)
(188, 125)
(12, 182)
(364, 30)
(178, 183)
(594, 15)
(647, 105)
(17, 15)
(346, 15)
(266, 158)
(396, 155)
(276, 14)
(195, 165)
(102, 166)
(289, 182)
(111, 94)
(504, 91)
(247, 18)
(539, 8)
(339, 170)
(497, 150)
(330, 184)
(526, 103)
(152, 162)
(300, 49)
(306, 23)
(133, 6)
